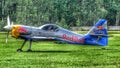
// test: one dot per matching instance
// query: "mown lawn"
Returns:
(52, 55)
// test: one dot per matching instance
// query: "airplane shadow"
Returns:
(48, 51)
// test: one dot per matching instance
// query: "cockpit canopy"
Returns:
(50, 27)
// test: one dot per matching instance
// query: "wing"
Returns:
(43, 38)
(36, 38)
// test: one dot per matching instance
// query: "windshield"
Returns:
(50, 28)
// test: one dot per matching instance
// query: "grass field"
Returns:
(51, 55)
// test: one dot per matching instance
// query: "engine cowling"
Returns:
(18, 30)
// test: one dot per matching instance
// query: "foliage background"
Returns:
(66, 13)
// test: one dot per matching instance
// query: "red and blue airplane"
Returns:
(97, 35)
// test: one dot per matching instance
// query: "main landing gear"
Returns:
(29, 47)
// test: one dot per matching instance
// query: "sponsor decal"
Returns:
(15, 32)
(100, 27)
(99, 31)
(22, 30)
(73, 38)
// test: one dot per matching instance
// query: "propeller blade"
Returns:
(8, 21)
(8, 26)
(7, 36)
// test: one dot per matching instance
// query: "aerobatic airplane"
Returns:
(97, 35)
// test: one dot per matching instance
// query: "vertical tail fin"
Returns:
(98, 33)
(99, 28)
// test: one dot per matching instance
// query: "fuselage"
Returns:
(46, 31)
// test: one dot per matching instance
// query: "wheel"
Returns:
(19, 50)
(29, 50)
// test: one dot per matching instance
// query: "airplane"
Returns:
(97, 35)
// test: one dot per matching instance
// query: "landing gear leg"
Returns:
(30, 44)
(20, 49)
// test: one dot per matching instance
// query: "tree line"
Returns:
(66, 13)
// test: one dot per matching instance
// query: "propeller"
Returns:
(7, 36)
(8, 27)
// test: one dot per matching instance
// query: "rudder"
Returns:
(98, 33)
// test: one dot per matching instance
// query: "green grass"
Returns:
(51, 55)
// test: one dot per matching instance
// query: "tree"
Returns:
(66, 13)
